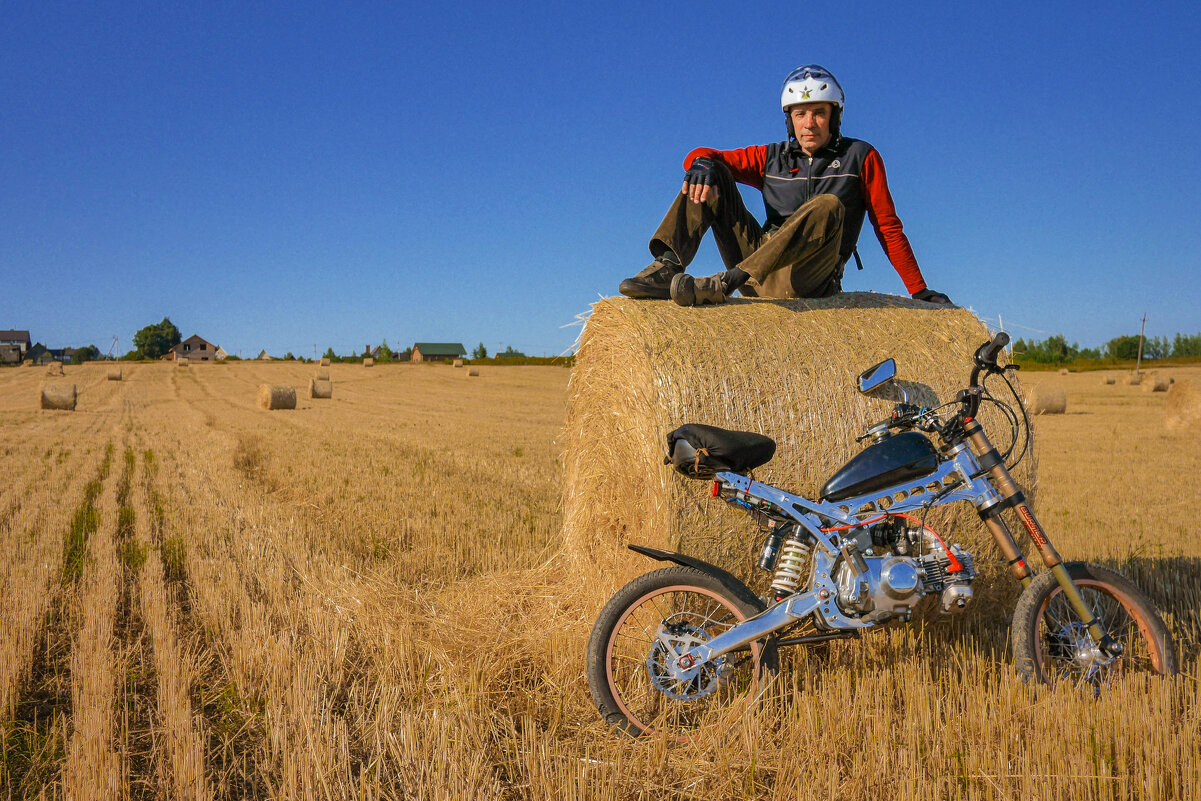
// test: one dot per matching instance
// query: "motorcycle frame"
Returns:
(970, 471)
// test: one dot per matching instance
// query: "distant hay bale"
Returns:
(784, 368)
(276, 396)
(473, 372)
(1156, 383)
(182, 361)
(1182, 407)
(1063, 371)
(55, 369)
(369, 362)
(1108, 379)
(322, 375)
(321, 388)
(325, 361)
(1046, 399)
(114, 374)
(1134, 379)
(59, 396)
(457, 363)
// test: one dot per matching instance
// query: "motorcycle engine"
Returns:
(895, 581)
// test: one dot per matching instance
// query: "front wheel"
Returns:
(1051, 643)
(644, 628)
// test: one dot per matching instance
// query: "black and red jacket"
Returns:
(850, 169)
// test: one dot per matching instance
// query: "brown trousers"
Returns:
(799, 259)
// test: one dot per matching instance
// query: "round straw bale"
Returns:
(325, 361)
(1046, 399)
(784, 368)
(1182, 407)
(59, 396)
(1156, 383)
(473, 372)
(321, 388)
(276, 396)
(1108, 379)
(1063, 371)
(369, 362)
(182, 361)
(55, 369)
(457, 363)
(1134, 379)
(114, 374)
(322, 375)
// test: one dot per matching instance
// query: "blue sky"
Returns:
(284, 175)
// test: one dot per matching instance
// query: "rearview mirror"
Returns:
(877, 376)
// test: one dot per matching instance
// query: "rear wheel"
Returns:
(1052, 644)
(646, 626)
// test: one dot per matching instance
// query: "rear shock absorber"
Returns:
(794, 556)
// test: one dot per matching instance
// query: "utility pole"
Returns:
(1138, 362)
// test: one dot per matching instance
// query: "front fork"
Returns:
(1011, 496)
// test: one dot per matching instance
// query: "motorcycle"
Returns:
(687, 643)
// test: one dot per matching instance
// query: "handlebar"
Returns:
(985, 359)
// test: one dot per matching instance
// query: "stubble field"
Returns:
(366, 598)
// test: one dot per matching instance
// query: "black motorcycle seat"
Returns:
(699, 451)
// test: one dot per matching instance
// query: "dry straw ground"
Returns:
(361, 598)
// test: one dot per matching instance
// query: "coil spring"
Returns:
(794, 555)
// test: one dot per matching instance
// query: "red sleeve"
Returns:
(883, 214)
(746, 164)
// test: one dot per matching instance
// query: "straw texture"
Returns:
(59, 396)
(784, 368)
(319, 388)
(276, 396)
(1134, 379)
(1046, 399)
(322, 375)
(1182, 407)
(55, 369)
(473, 372)
(369, 362)
(325, 361)
(114, 374)
(457, 363)
(1108, 379)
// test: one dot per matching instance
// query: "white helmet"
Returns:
(811, 84)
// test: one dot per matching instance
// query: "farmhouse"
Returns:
(194, 348)
(13, 346)
(437, 351)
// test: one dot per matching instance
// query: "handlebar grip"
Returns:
(986, 356)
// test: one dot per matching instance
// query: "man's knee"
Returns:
(830, 206)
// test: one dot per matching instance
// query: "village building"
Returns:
(437, 351)
(195, 349)
(13, 346)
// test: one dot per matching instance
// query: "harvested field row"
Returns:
(362, 598)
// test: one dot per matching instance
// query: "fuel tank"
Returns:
(901, 457)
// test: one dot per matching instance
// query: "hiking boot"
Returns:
(689, 291)
(653, 283)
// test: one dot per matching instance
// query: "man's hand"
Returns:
(698, 181)
(930, 296)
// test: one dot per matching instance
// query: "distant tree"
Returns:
(153, 341)
(1185, 345)
(1052, 350)
(480, 352)
(383, 352)
(329, 354)
(405, 355)
(288, 357)
(1123, 347)
(509, 351)
(88, 353)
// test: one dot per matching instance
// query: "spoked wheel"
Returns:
(1052, 644)
(633, 668)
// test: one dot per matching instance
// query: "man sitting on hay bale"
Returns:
(817, 186)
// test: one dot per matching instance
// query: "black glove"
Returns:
(701, 172)
(930, 296)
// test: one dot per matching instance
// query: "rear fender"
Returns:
(727, 579)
